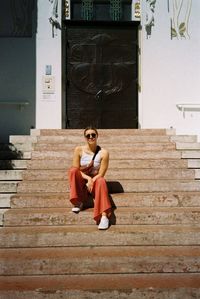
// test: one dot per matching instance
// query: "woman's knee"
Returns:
(101, 181)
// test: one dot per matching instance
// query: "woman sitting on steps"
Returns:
(90, 163)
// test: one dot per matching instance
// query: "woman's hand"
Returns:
(90, 184)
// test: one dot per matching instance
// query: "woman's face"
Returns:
(91, 136)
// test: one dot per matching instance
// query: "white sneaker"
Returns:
(104, 223)
(77, 209)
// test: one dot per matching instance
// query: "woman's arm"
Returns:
(77, 156)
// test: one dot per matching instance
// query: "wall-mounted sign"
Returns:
(48, 84)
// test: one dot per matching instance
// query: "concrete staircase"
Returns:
(13, 161)
(152, 248)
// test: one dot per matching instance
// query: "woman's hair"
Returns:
(91, 128)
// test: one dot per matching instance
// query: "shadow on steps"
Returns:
(8, 152)
(115, 187)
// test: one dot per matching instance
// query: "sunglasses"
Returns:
(92, 135)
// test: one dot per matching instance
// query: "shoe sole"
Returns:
(76, 212)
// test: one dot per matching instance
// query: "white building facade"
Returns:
(168, 65)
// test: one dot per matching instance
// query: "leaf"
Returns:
(182, 28)
(173, 32)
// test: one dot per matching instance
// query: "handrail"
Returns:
(20, 104)
(188, 107)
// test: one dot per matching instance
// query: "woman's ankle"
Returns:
(104, 214)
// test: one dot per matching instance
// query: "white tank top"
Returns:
(87, 158)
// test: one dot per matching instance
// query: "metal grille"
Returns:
(115, 10)
(87, 10)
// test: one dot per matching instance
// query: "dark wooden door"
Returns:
(102, 70)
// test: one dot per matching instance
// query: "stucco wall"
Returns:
(170, 72)
(48, 105)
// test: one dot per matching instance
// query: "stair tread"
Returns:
(111, 174)
(123, 180)
(135, 146)
(107, 140)
(121, 216)
(61, 194)
(115, 154)
(188, 146)
(89, 235)
(11, 175)
(92, 229)
(99, 251)
(118, 209)
(156, 131)
(28, 200)
(115, 186)
(96, 260)
(100, 282)
(62, 163)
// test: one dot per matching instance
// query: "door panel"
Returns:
(102, 76)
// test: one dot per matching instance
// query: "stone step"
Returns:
(117, 286)
(22, 139)
(8, 187)
(7, 147)
(99, 260)
(128, 164)
(190, 154)
(188, 146)
(184, 138)
(133, 293)
(71, 132)
(194, 163)
(17, 147)
(112, 174)
(116, 235)
(107, 139)
(118, 186)
(11, 155)
(15, 150)
(2, 212)
(104, 139)
(108, 134)
(13, 164)
(5, 200)
(11, 175)
(115, 154)
(24, 147)
(61, 200)
(110, 147)
(197, 174)
(121, 216)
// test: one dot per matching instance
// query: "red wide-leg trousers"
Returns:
(79, 193)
